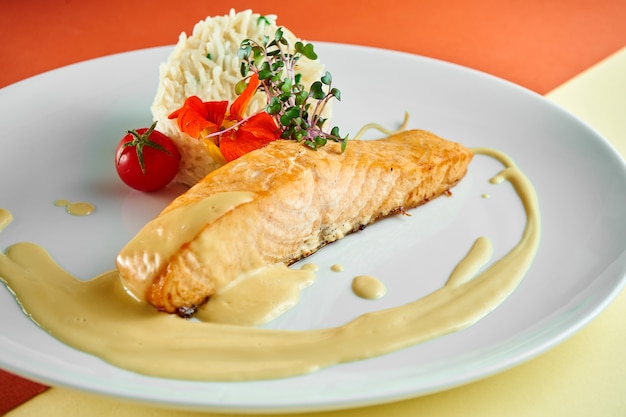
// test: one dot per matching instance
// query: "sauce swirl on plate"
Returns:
(100, 318)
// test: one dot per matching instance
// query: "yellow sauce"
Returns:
(368, 287)
(258, 297)
(77, 208)
(151, 249)
(310, 267)
(336, 268)
(100, 318)
(5, 218)
(470, 265)
(61, 203)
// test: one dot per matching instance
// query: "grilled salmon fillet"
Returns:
(279, 204)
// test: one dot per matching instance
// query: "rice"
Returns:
(206, 65)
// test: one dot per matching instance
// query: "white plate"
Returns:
(59, 134)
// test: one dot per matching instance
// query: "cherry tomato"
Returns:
(146, 159)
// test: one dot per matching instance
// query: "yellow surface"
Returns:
(584, 376)
(598, 96)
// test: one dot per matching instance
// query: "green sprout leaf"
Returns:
(263, 20)
(297, 110)
(316, 91)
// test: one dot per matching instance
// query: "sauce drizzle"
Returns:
(100, 318)
(368, 287)
(5, 218)
(76, 208)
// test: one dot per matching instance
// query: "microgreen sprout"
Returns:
(297, 111)
(263, 20)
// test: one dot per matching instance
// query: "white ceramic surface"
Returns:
(59, 134)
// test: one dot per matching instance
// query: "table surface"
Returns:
(535, 43)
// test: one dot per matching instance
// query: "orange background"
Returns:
(536, 43)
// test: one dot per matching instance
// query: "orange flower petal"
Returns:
(216, 111)
(196, 116)
(191, 103)
(240, 104)
(255, 133)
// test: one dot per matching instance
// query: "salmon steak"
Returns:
(279, 204)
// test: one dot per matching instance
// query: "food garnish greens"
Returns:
(264, 20)
(298, 112)
(291, 112)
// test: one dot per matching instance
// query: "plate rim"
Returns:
(256, 409)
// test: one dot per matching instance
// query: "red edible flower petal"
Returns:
(216, 111)
(199, 119)
(196, 116)
(253, 134)
(240, 104)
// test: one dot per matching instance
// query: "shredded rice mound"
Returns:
(206, 65)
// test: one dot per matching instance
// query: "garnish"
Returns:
(298, 112)
(146, 159)
(225, 132)
(263, 20)
(138, 139)
(291, 112)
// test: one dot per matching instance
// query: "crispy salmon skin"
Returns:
(296, 201)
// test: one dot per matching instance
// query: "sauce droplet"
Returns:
(310, 267)
(368, 287)
(5, 218)
(336, 268)
(78, 208)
